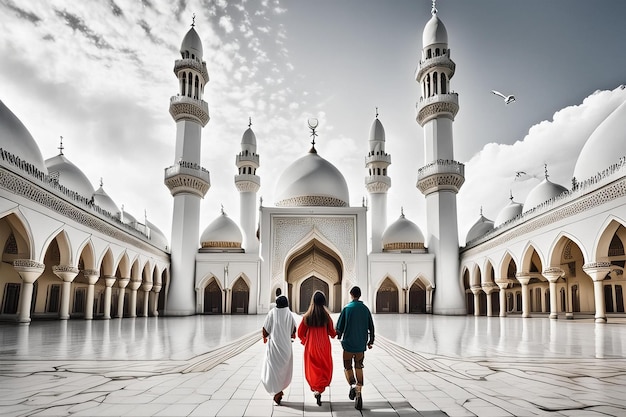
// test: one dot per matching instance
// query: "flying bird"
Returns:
(507, 99)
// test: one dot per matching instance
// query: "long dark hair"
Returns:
(317, 315)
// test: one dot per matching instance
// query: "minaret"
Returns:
(441, 177)
(377, 183)
(186, 179)
(248, 183)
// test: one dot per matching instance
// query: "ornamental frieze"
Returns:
(437, 182)
(311, 200)
(436, 108)
(247, 186)
(65, 268)
(23, 188)
(597, 265)
(597, 198)
(377, 187)
(442, 61)
(28, 263)
(189, 111)
(183, 183)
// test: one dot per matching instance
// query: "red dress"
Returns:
(318, 359)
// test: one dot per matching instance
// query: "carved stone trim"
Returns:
(553, 270)
(186, 108)
(65, 268)
(403, 245)
(91, 272)
(377, 187)
(442, 61)
(186, 183)
(597, 265)
(189, 63)
(33, 192)
(216, 244)
(595, 199)
(311, 200)
(247, 186)
(440, 182)
(28, 263)
(441, 105)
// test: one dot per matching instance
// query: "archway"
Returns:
(212, 298)
(315, 262)
(417, 298)
(308, 288)
(387, 297)
(241, 297)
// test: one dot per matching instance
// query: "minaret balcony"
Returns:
(187, 108)
(193, 64)
(247, 183)
(439, 105)
(247, 160)
(441, 175)
(377, 184)
(383, 158)
(187, 177)
(427, 65)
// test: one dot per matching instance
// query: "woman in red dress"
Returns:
(314, 331)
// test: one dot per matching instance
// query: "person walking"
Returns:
(355, 329)
(314, 331)
(278, 330)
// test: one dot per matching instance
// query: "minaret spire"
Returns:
(60, 148)
(441, 177)
(313, 123)
(248, 184)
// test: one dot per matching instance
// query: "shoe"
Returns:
(278, 398)
(318, 398)
(358, 401)
(352, 393)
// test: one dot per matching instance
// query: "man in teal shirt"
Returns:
(355, 329)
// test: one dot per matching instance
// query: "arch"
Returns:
(387, 297)
(418, 295)
(560, 245)
(107, 264)
(212, 296)
(613, 226)
(489, 276)
(507, 263)
(532, 260)
(63, 247)
(476, 276)
(146, 274)
(123, 266)
(14, 223)
(88, 255)
(240, 295)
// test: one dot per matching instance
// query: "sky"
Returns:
(100, 74)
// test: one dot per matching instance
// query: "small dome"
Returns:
(102, 199)
(222, 233)
(69, 175)
(157, 236)
(192, 44)
(544, 191)
(312, 181)
(482, 226)
(604, 147)
(509, 212)
(434, 32)
(128, 218)
(377, 137)
(248, 137)
(402, 234)
(16, 139)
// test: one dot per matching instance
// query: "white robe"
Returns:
(277, 367)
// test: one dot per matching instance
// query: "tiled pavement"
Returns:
(130, 373)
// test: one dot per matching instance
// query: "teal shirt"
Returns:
(355, 327)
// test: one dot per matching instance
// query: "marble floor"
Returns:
(420, 365)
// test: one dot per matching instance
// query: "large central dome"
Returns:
(312, 181)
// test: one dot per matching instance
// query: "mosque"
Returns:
(69, 251)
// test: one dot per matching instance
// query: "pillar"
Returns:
(29, 271)
(476, 291)
(524, 280)
(502, 284)
(146, 287)
(92, 276)
(121, 283)
(108, 282)
(132, 305)
(66, 273)
(553, 274)
(598, 271)
(156, 289)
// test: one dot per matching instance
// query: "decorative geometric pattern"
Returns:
(311, 200)
(403, 245)
(28, 263)
(193, 64)
(437, 105)
(442, 61)
(185, 108)
(289, 231)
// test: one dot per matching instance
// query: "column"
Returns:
(121, 283)
(598, 271)
(524, 279)
(108, 282)
(476, 291)
(488, 288)
(429, 299)
(553, 274)
(156, 289)
(91, 275)
(66, 273)
(132, 306)
(146, 287)
(29, 271)
(502, 284)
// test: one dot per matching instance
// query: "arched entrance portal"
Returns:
(308, 288)
(387, 297)
(314, 267)
(417, 298)
(212, 298)
(241, 297)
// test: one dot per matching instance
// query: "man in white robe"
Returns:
(279, 329)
